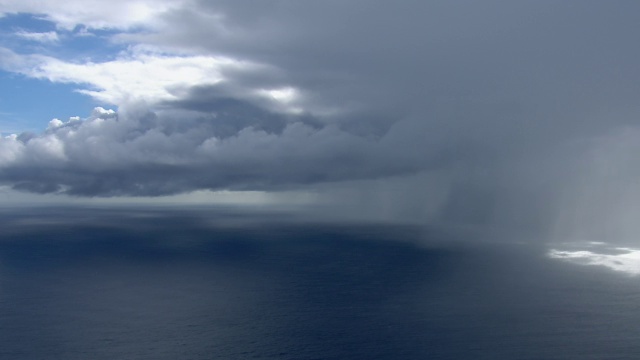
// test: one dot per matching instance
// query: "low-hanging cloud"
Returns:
(111, 154)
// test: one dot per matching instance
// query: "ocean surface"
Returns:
(97, 284)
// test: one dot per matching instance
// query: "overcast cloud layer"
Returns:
(514, 114)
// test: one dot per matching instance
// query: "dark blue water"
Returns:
(106, 285)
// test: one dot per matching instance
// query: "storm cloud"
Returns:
(519, 109)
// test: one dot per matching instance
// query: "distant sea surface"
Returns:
(114, 285)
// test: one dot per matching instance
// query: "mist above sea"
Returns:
(158, 284)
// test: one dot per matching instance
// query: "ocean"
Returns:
(156, 284)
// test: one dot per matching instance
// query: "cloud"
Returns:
(43, 37)
(504, 103)
(109, 154)
(95, 14)
(626, 260)
(131, 77)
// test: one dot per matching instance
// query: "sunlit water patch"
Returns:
(621, 259)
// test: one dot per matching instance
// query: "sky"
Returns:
(512, 117)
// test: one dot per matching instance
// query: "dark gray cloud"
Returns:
(511, 101)
(176, 151)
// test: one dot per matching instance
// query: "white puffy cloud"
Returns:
(10, 150)
(96, 14)
(131, 77)
(147, 76)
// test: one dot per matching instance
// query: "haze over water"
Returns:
(202, 285)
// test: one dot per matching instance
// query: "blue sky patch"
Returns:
(29, 104)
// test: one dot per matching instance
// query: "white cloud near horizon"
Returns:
(626, 260)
